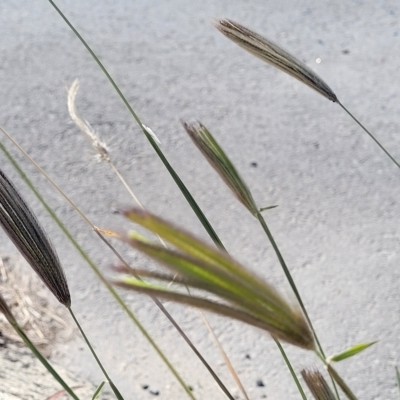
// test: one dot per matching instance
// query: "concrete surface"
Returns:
(338, 217)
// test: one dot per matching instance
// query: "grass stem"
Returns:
(289, 365)
(294, 288)
(84, 255)
(369, 134)
(113, 387)
(45, 363)
(192, 202)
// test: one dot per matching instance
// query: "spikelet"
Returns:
(317, 385)
(28, 236)
(274, 55)
(240, 294)
(214, 154)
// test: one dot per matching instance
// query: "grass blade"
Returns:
(352, 351)
(96, 394)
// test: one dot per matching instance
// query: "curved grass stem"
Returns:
(45, 363)
(192, 202)
(111, 383)
(289, 365)
(294, 288)
(84, 255)
(369, 134)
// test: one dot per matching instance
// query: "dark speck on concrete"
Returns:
(260, 383)
(145, 387)
(345, 51)
(247, 356)
(316, 145)
(254, 164)
(154, 392)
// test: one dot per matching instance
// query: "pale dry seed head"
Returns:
(317, 385)
(214, 154)
(28, 236)
(274, 55)
(99, 146)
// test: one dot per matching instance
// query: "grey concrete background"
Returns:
(337, 221)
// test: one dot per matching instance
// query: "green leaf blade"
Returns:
(350, 352)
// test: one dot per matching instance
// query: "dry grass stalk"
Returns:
(28, 236)
(42, 320)
(99, 146)
(274, 55)
(317, 385)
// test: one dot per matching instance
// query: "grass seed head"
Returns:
(99, 146)
(28, 236)
(240, 294)
(317, 385)
(274, 55)
(214, 154)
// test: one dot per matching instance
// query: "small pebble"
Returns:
(260, 383)
(154, 392)
(145, 387)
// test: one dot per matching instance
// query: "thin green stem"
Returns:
(398, 377)
(288, 276)
(370, 134)
(96, 394)
(293, 286)
(113, 387)
(338, 379)
(192, 202)
(96, 270)
(289, 365)
(46, 364)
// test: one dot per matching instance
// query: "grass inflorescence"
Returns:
(197, 274)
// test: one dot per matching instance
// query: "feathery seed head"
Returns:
(241, 294)
(268, 51)
(28, 236)
(99, 146)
